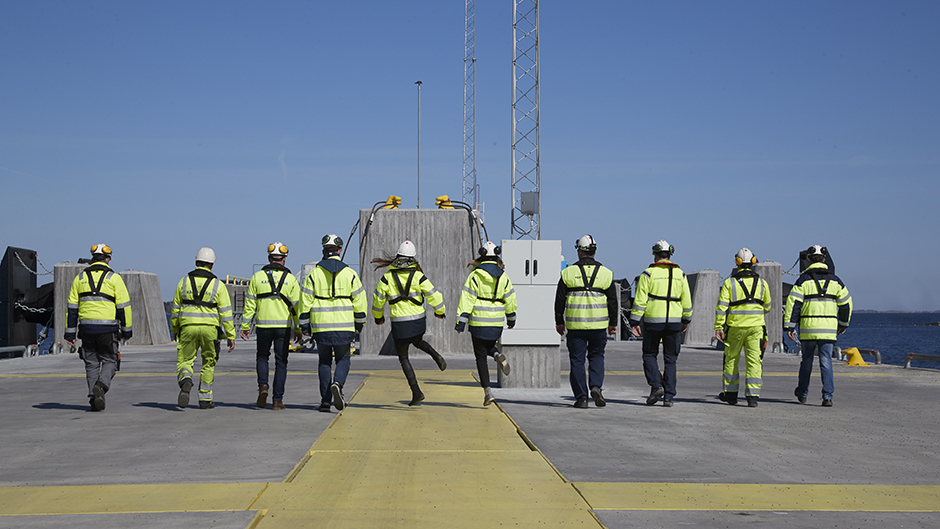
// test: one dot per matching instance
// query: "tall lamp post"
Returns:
(419, 143)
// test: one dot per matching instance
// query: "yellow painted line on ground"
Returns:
(759, 497)
(765, 373)
(82, 375)
(104, 499)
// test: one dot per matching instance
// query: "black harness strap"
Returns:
(404, 291)
(494, 299)
(748, 296)
(96, 289)
(668, 296)
(822, 291)
(276, 289)
(198, 298)
(588, 283)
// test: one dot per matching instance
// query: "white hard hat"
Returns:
(663, 246)
(744, 256)
(332, 240)
(586, 243)
(407, 249)
(490, 250)
(277, 248)
(816, 250)
(100, 249)
(205, 255)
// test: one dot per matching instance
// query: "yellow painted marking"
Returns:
(120, 374)
(758, 497)
(101, 499)
(765, 373)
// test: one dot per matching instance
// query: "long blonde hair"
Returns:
(480, 260)
(398, 261)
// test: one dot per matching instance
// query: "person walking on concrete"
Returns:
(820, 304)
(487, 298)
(663, 304)
(271, 303)
(99, 313)
(586, 305)
(405, 287)
(739, 323)
(200, 317)
(333, 307)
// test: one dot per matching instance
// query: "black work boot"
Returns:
(655, 394)
(752, 401)
(729, 397)
(98, 396)
(416, 395)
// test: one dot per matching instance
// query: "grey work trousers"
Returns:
(100, 353)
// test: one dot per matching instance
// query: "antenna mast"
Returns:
(526, 177)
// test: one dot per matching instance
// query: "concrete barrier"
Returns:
(772, 272)
(705, 288)
(446, 240)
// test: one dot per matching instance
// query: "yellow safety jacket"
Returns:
(743, 301)
(98, 303)
(487, 297)
(585, 298)
(333, 302)
(405, 290)
(201, 299)
(272, 299)
(820, 303)
(663, 299)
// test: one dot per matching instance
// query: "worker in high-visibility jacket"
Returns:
(99, 313)
(200, 316)
(663, 304)
(487, 299)
(405, 288)
(820, 304)
(272, 305)
(333, 309)
(739, 323)
(586, 306)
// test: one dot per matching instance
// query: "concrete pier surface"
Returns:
(872, 460)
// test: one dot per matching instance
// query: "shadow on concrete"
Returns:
(61, 406)
(160, 406)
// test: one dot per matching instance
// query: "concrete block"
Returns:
(531, 366)
(149, 317)
(446, 240)
(772, 272)
(63, 274)
(705, 288)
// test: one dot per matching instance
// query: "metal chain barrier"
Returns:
(48, 272)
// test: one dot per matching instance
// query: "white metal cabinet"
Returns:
(534, 268)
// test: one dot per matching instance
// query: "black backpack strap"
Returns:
(404, 291)
(276, 289)
(198, 295)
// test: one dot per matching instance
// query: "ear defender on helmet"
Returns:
(745, 256)
(586, 244)
(663, 246)
(490, 250)
(277, 248)
(100, 249)
(332, 240)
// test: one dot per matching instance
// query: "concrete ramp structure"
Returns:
(446, 240)
(705, 286)
(148, 315)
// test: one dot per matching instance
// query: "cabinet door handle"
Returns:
(526, 267)
(535, 267)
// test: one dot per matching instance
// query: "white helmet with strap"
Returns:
(101, 249)
(490, 250)
(745, 257)
(586, 244)
(663, 246)
(277, 248)
(332, 240)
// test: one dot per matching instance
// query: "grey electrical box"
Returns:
(529, 203)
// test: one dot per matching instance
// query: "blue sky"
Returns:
(161, 127)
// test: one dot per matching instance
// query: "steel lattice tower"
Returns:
(526, 178)
(469, 194)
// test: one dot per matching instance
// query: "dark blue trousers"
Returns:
(666, 379)
(589, 343)
(280, 338)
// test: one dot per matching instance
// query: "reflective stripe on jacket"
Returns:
(487, 297)
(332, 298)
(662, 296)
(98, 303)
(743, 301)
(820, 303)
(201, 299)
(268, 309)
(585, 298)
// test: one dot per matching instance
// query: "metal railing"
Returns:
(918, 356)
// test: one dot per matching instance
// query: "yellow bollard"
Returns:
(855, 357)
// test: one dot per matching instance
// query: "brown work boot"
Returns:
(278, 405)
(263, 396)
